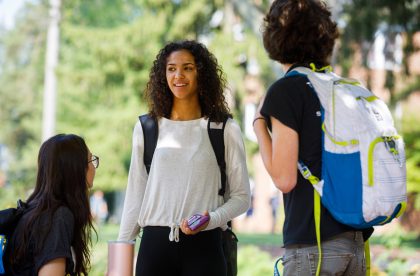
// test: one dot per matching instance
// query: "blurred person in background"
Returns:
(99, 207)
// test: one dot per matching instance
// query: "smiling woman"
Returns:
(210, 80)
(181, 75)
(185, 94)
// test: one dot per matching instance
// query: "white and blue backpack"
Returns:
(363, 179)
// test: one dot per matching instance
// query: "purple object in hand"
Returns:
(195, 221)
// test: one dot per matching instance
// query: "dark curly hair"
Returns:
(210, 79)
(299, 31)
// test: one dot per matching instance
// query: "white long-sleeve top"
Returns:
(184, 178)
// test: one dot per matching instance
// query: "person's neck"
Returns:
(185, 111)
(286, 66)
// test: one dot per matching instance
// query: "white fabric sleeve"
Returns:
(137, 180)
(237, 186)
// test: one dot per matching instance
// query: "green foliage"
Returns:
(408, 90)
(397, 237)
(392, 240)
(392, 267)
(21, 93)
(411, 132)
(106, 51)
(104, 13)
(9, 197)
(254, 262)
(362, 18)
(189, 20)
(101, 88)
(260, 239)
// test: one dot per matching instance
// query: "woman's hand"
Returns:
(187, 231)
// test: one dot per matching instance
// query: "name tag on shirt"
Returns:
(216, 125)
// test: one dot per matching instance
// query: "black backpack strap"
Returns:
(216, 135)
(10, 217)
(150, 135)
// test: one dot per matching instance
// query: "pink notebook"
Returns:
(120, 258)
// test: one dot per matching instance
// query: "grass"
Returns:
(107, 232)
(260, 239)
(261, 264)
(398, 238)
(253, 261)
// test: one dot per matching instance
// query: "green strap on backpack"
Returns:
(317, 217)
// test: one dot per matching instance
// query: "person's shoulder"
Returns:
(137, 130)
(232, 124)
(63, 213)
(137, 125)
(232, 129)
(292, 86)
(290, 80)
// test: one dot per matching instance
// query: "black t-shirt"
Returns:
(56, 242)
(293, 102)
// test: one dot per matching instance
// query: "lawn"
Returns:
(395, 253)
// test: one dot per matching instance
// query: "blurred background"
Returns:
(81, 67)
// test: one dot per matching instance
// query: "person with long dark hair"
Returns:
(184, 92)
(53, 235)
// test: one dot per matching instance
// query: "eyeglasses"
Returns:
(95, 161)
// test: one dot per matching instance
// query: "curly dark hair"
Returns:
(299, 31)
(210, 79)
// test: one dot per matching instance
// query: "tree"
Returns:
(363, 18)
(21, 62)
(106, 51)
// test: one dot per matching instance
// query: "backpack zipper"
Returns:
(390, 146)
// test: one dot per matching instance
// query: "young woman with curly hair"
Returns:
(53, 235)
(185, 90)
(210, 83)
(301, 33)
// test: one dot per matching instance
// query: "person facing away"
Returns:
(98, 207)
(184, 91)
(297, 33)
(53, 235)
